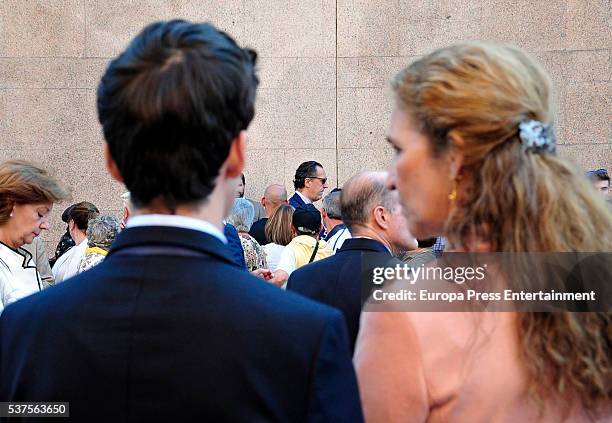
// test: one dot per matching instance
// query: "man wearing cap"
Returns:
(305, 248)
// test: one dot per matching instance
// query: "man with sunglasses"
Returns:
(310, 183)
(601, 182)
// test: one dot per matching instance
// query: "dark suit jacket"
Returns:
(234, 245)
(296, 201)
(167, 327)
(258, 231)
(336, 280)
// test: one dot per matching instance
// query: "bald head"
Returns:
(360, 195)
(274, 196)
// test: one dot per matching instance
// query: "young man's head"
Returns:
(306, 220)
(310, 180)
(174, 107)
(601, 181)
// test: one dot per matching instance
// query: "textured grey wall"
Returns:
(324, 70)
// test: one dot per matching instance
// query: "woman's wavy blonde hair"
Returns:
(25, 183)
(517, 201)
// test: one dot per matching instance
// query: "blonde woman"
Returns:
(27, 195)
(278, 231)
(475, 162)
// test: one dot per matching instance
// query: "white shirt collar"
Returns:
(176, 221)
(304, 198)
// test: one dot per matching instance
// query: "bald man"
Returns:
(373, 215)
(274, 196)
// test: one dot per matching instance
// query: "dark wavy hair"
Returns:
(170, 106)
(305, 170)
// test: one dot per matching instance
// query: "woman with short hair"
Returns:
(101, 232)
(475, 162)
(27, 195)
(241, 217)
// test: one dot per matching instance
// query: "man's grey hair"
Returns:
(242, 214)
(361, 194)
(331, 204)
(101, 231)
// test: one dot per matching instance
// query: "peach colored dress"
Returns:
(445, 367)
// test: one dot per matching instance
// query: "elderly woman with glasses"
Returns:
(27, 195)
(241, 217)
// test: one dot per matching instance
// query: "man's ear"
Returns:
(380, 216)
(111, 166)
(235, 160)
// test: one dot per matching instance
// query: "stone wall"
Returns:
(324, 70)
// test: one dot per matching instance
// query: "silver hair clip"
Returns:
(537, 137)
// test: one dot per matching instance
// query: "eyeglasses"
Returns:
(323, 180)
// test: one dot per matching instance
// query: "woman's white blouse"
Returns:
(18, 275)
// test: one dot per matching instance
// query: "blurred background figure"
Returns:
(601, 182)
(39, 256)
(274, 196)
(27, 195)
(66, 242)
(101, 232)
(78, 217)
(241, 217)
(127, 208)
(337, 232)
(257, 208)
(278, 231)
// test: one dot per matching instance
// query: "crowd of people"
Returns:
(201, 303)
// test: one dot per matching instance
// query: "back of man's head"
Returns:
(360, 195)
(170, 106)
(332, 206)
(275, 195)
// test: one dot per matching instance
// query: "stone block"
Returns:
(295, 72)
(363, 117)
(49, 119)
(263, 167)
(588, 156)
(368, 28)
(588, 24)
(294, 118)
(41, 28)
(585, 111)
(369, 72)
(293, 28)
(54, 73)
(111, 25)
(352, 161)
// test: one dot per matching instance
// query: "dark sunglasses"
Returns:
(323, 180)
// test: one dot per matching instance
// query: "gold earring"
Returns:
(453, 194)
